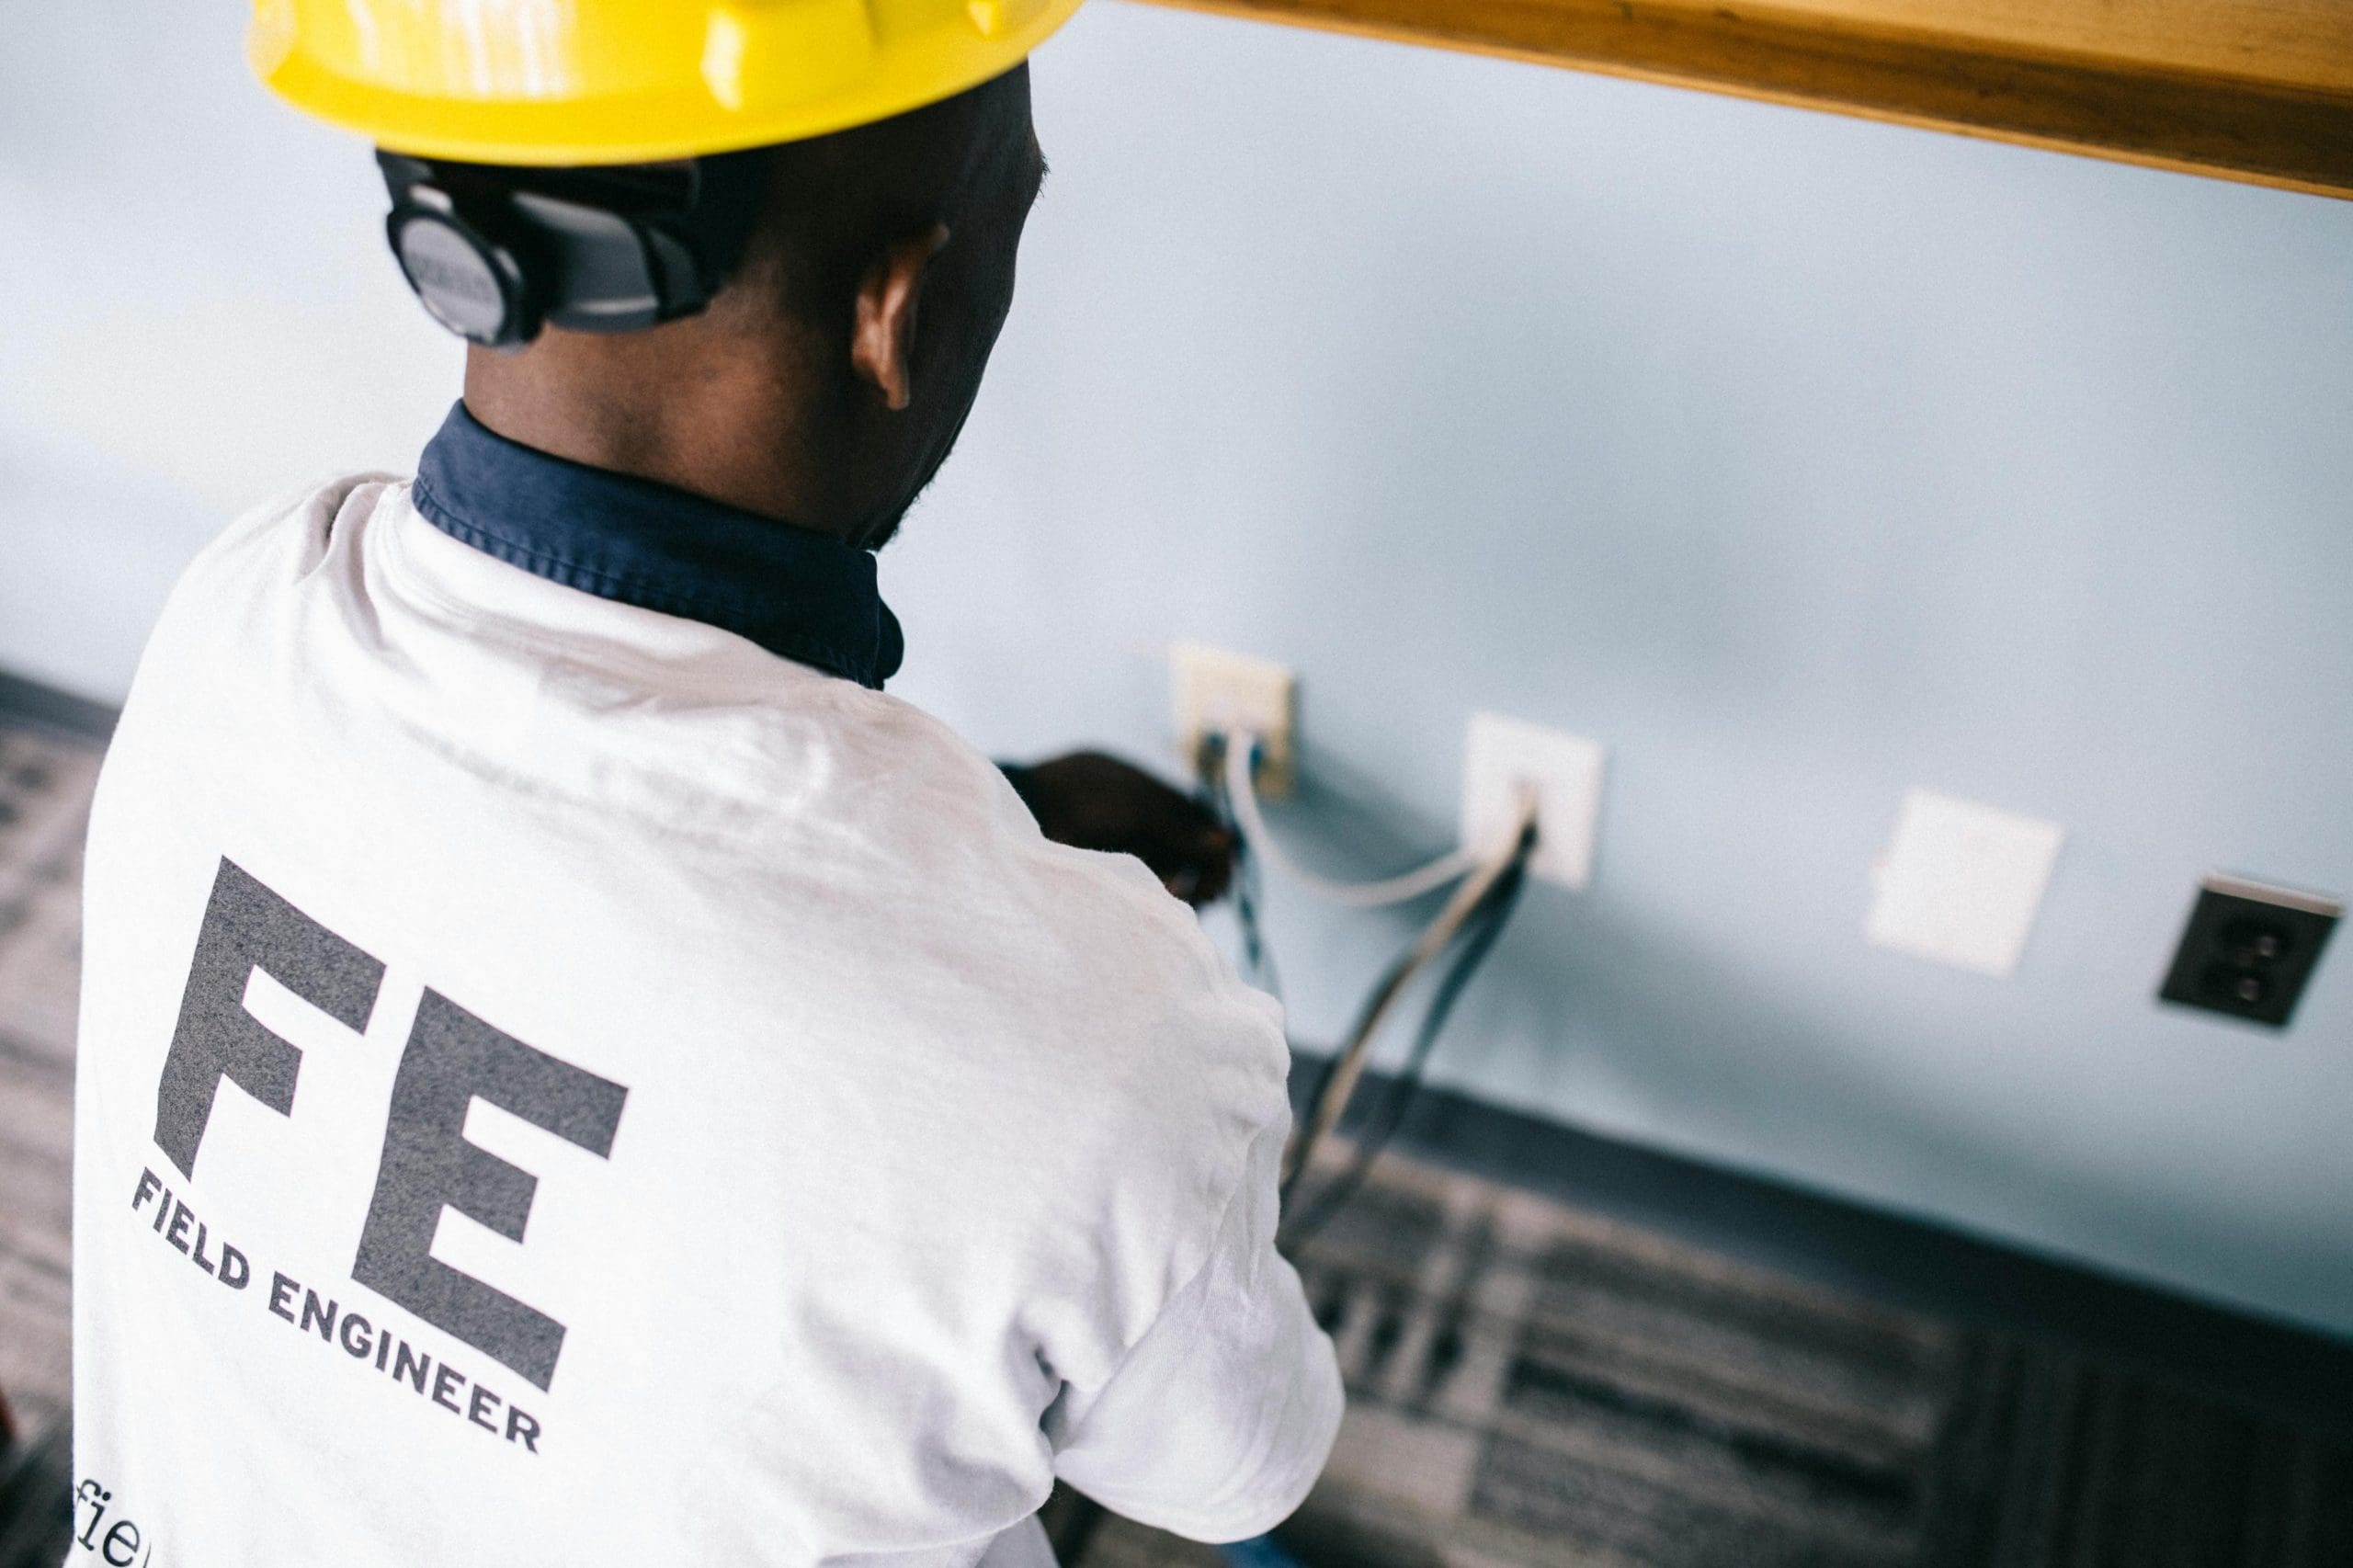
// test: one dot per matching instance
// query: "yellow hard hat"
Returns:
(579, 82)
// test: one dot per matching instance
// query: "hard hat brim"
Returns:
(762, 74)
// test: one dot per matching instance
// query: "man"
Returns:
(571, 1072)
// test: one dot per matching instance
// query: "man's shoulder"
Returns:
(299, 516)
(1092, 940)
(240, 579)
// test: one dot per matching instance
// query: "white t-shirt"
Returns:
(562, 1085)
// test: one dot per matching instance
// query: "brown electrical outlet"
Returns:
(2249, 949)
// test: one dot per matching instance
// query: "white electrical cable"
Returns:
(1435, 938)
(1452, 865)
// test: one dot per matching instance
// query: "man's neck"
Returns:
(724, 428)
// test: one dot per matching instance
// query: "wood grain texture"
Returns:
(2280, 43)
(2272, 105)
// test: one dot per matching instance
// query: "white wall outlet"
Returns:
(1961, 882)
(1217, 691)
(1502, 757)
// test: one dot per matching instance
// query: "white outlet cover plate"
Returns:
(1215, 690)
(1961, 882)
(1500, 756)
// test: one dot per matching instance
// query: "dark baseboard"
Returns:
(30, 702)
(2279, 1370)
(2295, 1374)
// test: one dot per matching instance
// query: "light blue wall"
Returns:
(1800, 459)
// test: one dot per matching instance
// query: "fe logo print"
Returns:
(452, 1058)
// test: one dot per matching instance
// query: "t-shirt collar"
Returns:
(805, 595)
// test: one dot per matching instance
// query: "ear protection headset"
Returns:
(496, 251)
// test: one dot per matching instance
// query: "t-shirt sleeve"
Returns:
(1220, 1417)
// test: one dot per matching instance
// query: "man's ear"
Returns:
(882, 335)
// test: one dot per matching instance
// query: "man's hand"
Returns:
(1093, 801)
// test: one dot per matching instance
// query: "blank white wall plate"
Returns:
(1217, 691)
(1500, 756)
(1961, 882)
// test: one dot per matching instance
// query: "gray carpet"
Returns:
(44, 797)
(1530, 1385)
(1534, 1386)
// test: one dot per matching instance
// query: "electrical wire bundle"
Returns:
(1466, 928)
(1459, 938)
(1470, 947)
(1249, 893)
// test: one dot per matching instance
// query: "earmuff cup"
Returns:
(497, 253)
(475, 286)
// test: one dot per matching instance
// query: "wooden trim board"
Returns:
(2255, 92)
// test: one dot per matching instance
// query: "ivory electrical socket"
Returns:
(1221, 692)
(1503, 756)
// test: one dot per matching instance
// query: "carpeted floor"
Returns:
(44, 794)
(1530, 1386)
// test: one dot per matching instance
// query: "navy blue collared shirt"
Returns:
(805, 595)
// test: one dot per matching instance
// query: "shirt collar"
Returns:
(805, 595)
